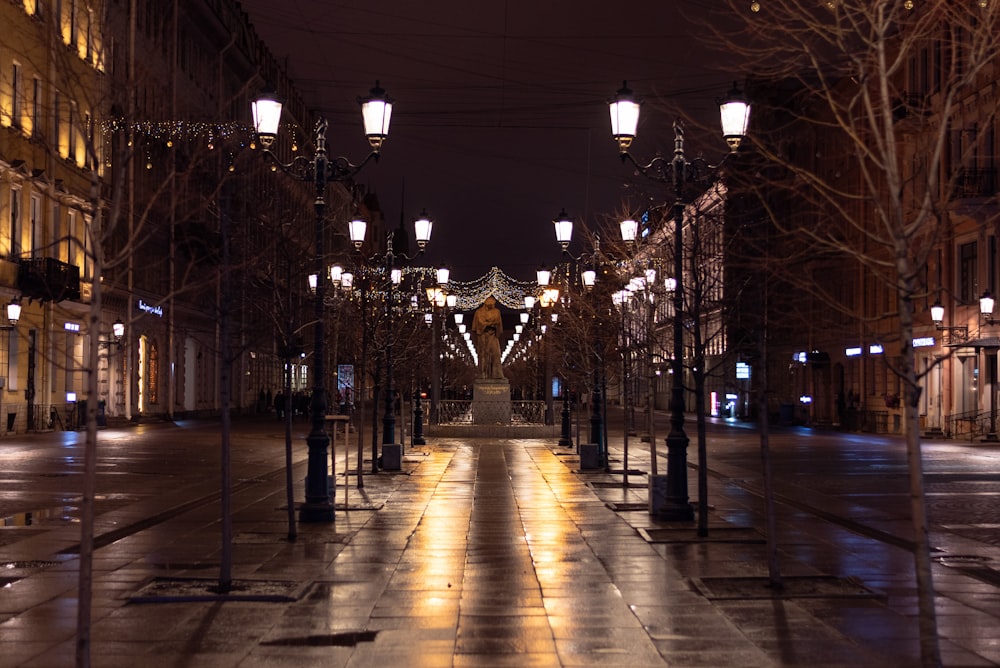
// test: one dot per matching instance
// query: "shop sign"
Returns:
(152, 310)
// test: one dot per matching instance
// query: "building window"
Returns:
(5, 357)
(71, 133)
(36, 107)
(88, 265)
(57, 122)
(73, 27)
(15, 96)
(73, 244)
(56, 232)
(967, 273)
(991, 266)
(35, 220)
(14, 229)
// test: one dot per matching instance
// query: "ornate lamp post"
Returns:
(422, 227)
(990, 347)
(437, 296)
(563, 226)
(735, 115)
(321, 170)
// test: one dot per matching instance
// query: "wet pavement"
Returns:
(489, 552)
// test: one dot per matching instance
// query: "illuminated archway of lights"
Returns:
(495, 283)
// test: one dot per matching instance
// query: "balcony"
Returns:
(971, 183)
(48, 279)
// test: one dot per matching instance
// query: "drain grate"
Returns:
(173, 590)
(626, 506)
(181, 566)
(805, 586)
(346, 639)
(688, 534)
(22, 565)
(607, 484)
(960, 560)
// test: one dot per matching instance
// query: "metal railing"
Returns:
(969, 424)
(527, 412)
(454, 411)
(874, 422)
(459, 411)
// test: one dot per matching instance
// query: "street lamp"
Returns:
(735, 115)
(438, 297)
(440, 302)
(937, 315)
(356, 229)
(629, 229)
(14, 311)
(986, 307)
(321, 170)
(564, 229)
(986, 303)
(588, 277)
(422, 226)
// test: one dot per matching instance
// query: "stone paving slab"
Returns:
(485, 552)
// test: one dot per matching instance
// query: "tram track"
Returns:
(847, 523)
(109, 537)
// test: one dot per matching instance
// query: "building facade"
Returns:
(127, 164)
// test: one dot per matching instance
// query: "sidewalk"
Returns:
(480, 553)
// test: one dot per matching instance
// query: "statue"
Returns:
(487, 326)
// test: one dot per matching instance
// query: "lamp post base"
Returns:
(318, 506)
(315, 512)
(672, 511)
(662, 507)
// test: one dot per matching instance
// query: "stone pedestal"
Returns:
(491, 401)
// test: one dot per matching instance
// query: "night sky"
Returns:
(500, 115)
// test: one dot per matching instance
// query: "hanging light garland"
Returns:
(172, 133)
(494, 283)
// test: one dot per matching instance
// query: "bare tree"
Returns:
(856, 102)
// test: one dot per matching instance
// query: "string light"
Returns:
(494, 283)
(170, 133)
